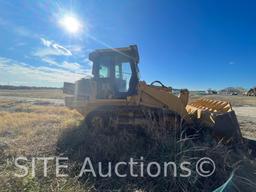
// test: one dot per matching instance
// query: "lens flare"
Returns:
(71, 24)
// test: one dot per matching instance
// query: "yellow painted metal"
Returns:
(211, 105)
(158, 97)
(148, 95)
(87, 107)
(206, 110)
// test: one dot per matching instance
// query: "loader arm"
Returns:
(159, 97)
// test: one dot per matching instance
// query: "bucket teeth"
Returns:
(211, 105)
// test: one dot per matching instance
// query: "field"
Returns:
(33, 93)
(32, 121)
(30, 127)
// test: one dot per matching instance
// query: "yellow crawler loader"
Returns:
(115, 96)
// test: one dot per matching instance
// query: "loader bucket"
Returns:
(218, 115)
(226, 126)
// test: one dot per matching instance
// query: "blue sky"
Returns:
(195, 44)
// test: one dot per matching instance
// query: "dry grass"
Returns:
(34, 93)
(121, 144)
(32, 131)
(33, 124)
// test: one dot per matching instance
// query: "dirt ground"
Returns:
(247, 118)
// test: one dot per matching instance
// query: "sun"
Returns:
(71, 24)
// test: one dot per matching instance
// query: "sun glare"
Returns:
(71, 24)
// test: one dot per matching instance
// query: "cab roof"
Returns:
(124, 53)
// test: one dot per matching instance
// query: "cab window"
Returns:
(117, 71)
(104, 71)
(123, 75)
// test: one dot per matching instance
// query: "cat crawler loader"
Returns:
(115, 96)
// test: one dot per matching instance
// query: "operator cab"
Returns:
(115, 72)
